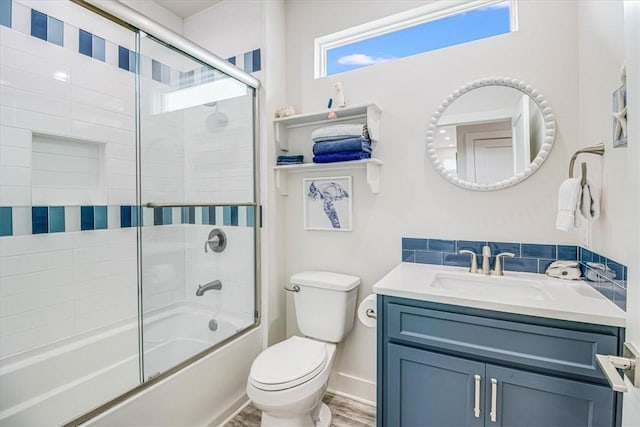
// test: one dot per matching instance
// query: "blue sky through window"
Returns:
(456, 29)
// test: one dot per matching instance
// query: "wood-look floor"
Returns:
(345, 412)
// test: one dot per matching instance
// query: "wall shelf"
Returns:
(372, 166)
(370, 111)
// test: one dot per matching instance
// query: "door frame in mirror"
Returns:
(525, 88)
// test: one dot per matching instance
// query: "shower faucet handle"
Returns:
(217, 241)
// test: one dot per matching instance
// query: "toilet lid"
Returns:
(288, 364)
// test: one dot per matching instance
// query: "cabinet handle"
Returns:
(494, 400)
(476, 407)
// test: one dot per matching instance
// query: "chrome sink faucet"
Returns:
(486, 261)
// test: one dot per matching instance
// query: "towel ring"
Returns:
(596, 149)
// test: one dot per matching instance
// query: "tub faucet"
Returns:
(215, 285)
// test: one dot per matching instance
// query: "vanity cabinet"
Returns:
(444, 365)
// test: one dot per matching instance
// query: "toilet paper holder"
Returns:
(371, 313)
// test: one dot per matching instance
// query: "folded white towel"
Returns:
(567, 273)
(568, 203)
(569, 270)
(344, 130)
(590, 202)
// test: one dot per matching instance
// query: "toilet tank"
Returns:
(325, 304)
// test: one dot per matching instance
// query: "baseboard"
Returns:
(231, 412)
(352, 387)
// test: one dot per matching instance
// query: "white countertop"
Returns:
(572, 300)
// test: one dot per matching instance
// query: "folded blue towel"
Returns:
(290, 160)
(343, 144)
(343, 156)
(345, 130)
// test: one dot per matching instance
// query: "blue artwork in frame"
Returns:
(327, 203)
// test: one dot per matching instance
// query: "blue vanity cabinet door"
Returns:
(526, 399)
(426, 389)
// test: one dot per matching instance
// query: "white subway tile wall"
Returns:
(55, 107)
(67, 140)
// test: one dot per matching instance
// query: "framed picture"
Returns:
(327, 203)
(620, 117)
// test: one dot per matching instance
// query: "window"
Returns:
(409, 33)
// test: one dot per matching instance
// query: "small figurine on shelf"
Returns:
(285, 112)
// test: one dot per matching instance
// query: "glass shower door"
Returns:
(197, 240)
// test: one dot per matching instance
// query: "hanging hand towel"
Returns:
(590, 202)
(568, 203)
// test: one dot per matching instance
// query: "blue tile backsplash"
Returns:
(607, 276)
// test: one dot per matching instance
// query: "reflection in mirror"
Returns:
(491, 135)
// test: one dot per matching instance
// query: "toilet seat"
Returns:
(288, 364)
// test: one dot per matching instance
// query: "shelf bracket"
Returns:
(281, 135)
(282, 182)
(373, 177)
(373, 122)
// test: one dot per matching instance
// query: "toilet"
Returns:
(288, 380)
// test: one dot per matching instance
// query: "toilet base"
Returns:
(324, 417)
(319, 417)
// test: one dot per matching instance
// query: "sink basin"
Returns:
(488, 286)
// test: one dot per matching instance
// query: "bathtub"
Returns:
(58, 382)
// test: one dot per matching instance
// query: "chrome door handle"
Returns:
(628, 363)
(476, 401)
(295, 288)
(494, 400)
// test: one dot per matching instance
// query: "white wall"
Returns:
(631, 409)
(601, 55)
(414, 200)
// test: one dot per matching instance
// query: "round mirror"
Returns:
(491, 134)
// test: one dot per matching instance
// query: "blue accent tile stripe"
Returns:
(157, 216)
(250, 216)
(123, 58)
(100, 217)
(39, 219)
(55, 31)
(125, 216)
(6, 220)
(167, 216)
(60, 219)
(38, 24)
(5, 13)
(256, 60)
(98, 48)
(56, 219)
(85, 42)
(248, 62)
(86, 218)
(233, 215)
